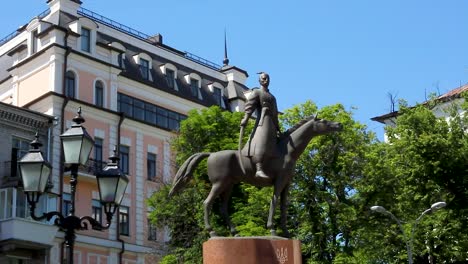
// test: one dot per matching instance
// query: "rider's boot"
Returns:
(260, 173)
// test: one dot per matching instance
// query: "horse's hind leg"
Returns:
(208, 203)
(224, 210)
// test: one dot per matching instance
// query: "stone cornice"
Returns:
(24, 117)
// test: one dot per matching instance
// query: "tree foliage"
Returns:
(337, 179)
(323, 206)
(208, 130)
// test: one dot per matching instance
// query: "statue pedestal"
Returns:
(251, 250)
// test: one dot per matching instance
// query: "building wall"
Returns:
(36, 82)
(14, 227)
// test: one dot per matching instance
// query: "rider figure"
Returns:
(262, 142)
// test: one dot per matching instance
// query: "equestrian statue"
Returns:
(267, 159)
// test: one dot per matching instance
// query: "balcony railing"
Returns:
(9, 174)
(141, 36)
(92, 167)
(9, 169)
(18, 31)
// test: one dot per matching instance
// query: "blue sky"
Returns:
(329, 51)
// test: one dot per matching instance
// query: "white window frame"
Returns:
(188, 80)
(77, 82)
(216, 85)
(170, 66)
(137, 58)
(104, 92)
(77, 25)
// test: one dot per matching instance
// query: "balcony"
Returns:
(18, 234)
(89, 170)
(9, 174)
(17, 230)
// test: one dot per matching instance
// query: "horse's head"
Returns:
(323, 126)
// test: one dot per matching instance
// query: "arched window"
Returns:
(99, 94)
(70, 84)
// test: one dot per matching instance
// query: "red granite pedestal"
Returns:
(252, 250)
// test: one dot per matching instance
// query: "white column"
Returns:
(139, 181)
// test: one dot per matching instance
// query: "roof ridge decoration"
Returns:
(226, 59)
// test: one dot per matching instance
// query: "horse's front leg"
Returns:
(284, 211)
(274, 201)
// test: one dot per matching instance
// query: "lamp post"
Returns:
(77, 145)
(409, 242)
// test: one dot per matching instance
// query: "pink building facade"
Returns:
(133, 90)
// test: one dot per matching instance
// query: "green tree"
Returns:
(324, 210)
(423, 162)
(208, 130)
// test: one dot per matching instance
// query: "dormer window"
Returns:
(194, 86)
(170, 73)
(35, 41)
(217, 95)
(194, 81)
(121, 60)
(217, 92)
(144, 68)
(170, 78)
(87, 31)
(85, 39)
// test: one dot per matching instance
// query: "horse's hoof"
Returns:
(273, 232)
(233, 232)
(213, 234)
(236, 235)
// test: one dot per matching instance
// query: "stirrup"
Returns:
(261, 174)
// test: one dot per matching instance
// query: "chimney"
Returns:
(156, 39)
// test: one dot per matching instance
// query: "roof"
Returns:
(448, 96)
(24, 116)
(132, 71)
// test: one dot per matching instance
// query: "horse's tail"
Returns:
(185, 172)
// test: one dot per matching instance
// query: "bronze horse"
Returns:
(224, 171)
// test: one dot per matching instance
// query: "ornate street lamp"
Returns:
(77, 145)
(112, 183)
(408, 242)
(35, 171)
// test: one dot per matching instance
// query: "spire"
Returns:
(226, 60)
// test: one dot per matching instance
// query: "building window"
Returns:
(147, 112)
(85, 39)
(125, 104)
(138, 109)
(121, 60)
(21, 204)
(124, 153)
(20, 146)
(152, 231)
(217, 95)
(70, 84)
(99, 94)
(170, 78)
(66, 204)
(151, 166)
(98, 163)
(124, 221)
(35, 41)
(194, 84)
(144, 68)
(96, 210)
